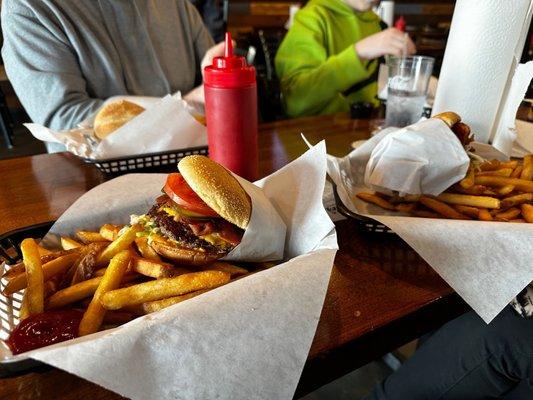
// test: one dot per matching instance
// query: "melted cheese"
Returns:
(216, 240)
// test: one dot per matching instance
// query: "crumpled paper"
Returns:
(486, 263)
(166, 124)
(246, 340)
(425, 157)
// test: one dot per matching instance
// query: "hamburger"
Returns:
(201, 216)
(460, 129)
(113, 116)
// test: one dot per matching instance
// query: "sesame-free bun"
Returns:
(113, 115)
(449, 117)
(215, 185)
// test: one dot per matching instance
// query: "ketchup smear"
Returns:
(44, 329)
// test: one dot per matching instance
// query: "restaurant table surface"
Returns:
(381, 293)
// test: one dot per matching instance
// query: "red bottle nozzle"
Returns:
(400, 24)
(229, 46)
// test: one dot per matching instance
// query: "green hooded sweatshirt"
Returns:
(318, 68)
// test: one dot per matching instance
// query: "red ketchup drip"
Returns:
(44, 329)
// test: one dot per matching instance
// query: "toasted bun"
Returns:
(182, 255)
(218, 188)
(113, 115)
(450, 118)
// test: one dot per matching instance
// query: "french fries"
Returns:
(104, 274)
(499, 181)
(490, 191)
(468, 181)
(89, 236)
(94, 315)
(527, 212)
(156, 269)
(467, 200)
(153, 306)
(68, 243)
(73, 293)
(163, 288)
(485, 215)
(34, 277)
(527, 170)
(110, 232)
(54, 267)
(231, 269)
(122, 242)
(146, 250)
(442, 208)
(379, 201)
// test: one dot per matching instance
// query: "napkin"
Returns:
(246, 340)
(483, 50)
(166, 124)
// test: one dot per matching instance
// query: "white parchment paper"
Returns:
(486, 263)
(166, 124)
(246, 340)
(425, 157)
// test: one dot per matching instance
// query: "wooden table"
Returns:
(380, 296)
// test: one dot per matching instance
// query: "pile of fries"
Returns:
(113, 275)
(490, 191)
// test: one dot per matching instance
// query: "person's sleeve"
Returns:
(43, 70)
(310, 78)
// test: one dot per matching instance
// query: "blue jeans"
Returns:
(467, 359)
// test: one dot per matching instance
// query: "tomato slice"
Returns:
(181, 193)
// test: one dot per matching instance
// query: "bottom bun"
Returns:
(182, 255)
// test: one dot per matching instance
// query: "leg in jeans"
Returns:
(466, 359)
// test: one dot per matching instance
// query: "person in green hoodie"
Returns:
(329, 58)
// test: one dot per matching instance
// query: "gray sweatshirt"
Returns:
(65, 57)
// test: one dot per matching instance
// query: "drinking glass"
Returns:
(407, 89)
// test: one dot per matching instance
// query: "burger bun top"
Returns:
(218, 188)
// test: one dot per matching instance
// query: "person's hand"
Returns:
(388, 42)
(195, 96)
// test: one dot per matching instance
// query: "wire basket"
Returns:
(364, 224)
(153, 162)
(10, 305)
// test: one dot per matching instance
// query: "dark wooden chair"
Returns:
(6, 122)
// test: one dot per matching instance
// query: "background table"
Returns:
(380, 296)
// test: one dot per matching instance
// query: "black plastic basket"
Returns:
(153, 162)
(364, 224)
(10, 253)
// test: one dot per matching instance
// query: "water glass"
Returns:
(407, 89)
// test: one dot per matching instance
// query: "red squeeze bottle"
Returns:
(231, 113)
(400, 24)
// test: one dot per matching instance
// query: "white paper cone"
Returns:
(424, 158)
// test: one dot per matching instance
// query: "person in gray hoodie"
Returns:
(64, 58)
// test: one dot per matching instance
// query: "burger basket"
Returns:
(363, 223)
(164, 161)
(10, 305)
